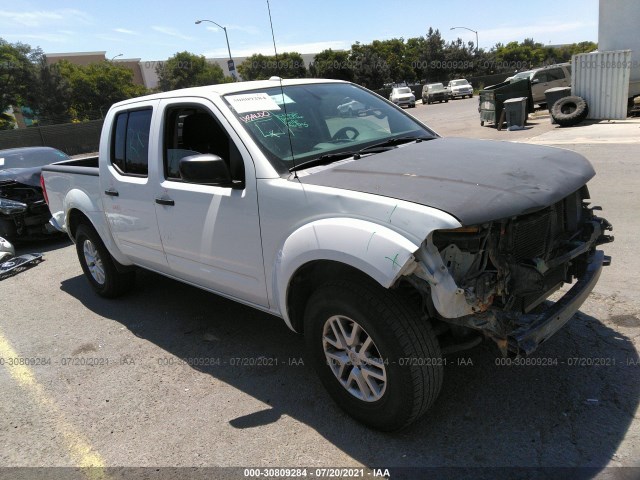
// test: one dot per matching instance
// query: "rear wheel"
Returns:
(376, 356)
(99, 266)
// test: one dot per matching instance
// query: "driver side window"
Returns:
(192, 130)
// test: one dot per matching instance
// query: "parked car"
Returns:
(384, 244)
(434, 92)
(23, 210)
(542, 79)
(460, 88)
(403, 96)
(351, 108)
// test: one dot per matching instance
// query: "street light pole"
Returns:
(116, 56)
(471, 30)
(232, 69)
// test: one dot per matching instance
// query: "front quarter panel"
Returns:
(373, 249)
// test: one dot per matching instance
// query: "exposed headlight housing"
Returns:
(10, 207)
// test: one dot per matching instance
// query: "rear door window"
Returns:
(130, 142)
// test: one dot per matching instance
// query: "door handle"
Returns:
(111, 193)
(165, 201)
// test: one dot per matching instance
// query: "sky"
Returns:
(157, 29)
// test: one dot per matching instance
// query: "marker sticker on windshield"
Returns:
(1, 162)
(279, 97)
(252, 102)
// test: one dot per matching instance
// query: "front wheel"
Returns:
(98, 265)
(375, 354)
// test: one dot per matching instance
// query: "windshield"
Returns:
(313, 120)
(457, 83)
(435, 87)
(522, 75)
(30, 157)
(403, 90)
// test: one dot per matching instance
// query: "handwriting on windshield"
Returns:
(292, 120)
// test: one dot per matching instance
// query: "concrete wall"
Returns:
(618, 28)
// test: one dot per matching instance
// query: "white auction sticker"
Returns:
(1, 162)
(252, 102)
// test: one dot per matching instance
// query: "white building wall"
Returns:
(602, 79)
(618, 29)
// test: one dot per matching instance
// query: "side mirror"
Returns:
(205, 169)
(535, 80)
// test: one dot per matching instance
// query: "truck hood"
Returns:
(476, 181)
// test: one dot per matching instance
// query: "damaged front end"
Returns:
(23, 211)
(494, 277)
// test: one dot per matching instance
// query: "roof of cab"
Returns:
(226, 88)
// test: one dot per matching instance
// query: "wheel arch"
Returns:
(80, 208)
(332, 248)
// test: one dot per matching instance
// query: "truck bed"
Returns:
(82, 166)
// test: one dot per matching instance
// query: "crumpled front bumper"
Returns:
(535, 328)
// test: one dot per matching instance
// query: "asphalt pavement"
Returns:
(171, 376)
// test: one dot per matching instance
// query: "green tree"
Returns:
(371, 69)
(564, 53)
(263, 67)
(459, 59)
(51, 96)
(95, 87)
(186, 69)
(521, 56)
(394, 53)
(17, 73)
(332, 64)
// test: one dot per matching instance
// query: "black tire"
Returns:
(424, 101)
(570, 111)
(401, 338)
(446, 101)
(94, 257)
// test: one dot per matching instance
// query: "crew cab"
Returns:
(386, 245)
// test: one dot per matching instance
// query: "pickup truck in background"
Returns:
(384, 244)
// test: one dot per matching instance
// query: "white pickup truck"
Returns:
(386, 245)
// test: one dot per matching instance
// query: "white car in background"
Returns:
(403, 96)
(460, 88)
(351, 108)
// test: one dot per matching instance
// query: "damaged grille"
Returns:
(530, 237)
(538, 235)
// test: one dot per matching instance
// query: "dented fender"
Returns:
(375, 250)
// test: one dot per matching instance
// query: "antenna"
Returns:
(284, 102)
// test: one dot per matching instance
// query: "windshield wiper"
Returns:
(392, 142)
(325, 159)
(328, 158)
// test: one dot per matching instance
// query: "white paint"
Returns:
(602, 79)
(618, 30)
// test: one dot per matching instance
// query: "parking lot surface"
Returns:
(172, 376)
